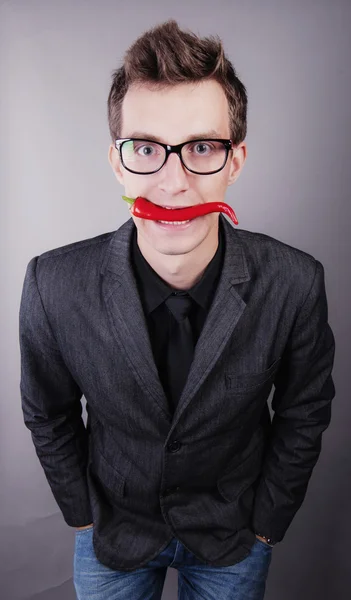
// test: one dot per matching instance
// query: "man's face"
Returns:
(173, 116)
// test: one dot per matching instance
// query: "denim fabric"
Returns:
(245, 580)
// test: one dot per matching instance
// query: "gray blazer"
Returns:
(220, 469)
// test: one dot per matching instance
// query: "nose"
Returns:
(174, 176)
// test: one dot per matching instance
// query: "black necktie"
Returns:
(180, 345)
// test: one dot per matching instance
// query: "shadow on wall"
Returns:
(37, 560)
(66, 591)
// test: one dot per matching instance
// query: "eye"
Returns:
(201, 148)
(146, 149)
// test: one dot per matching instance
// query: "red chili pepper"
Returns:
(144, 209)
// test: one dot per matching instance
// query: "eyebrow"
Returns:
(212, 133)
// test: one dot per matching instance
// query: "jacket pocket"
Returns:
(111, 480)
(238, 477)
(248, 381)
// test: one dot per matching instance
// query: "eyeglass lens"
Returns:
(201, 156)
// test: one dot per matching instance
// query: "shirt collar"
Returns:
(155, 290)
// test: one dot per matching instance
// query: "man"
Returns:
(180, 464)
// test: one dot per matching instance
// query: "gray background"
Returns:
(57, 187)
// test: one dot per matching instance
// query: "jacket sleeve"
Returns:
(51, 407)
(301, 403)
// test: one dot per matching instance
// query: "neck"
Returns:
(181, 271)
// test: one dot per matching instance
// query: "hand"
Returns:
(85, 526)
(262, 539)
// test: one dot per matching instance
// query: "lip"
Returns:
(174, 228)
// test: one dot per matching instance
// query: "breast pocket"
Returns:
(250, 381)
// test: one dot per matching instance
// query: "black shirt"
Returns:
(154, 290)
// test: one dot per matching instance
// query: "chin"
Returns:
(177, 247)
(173, 250)
(178, 243)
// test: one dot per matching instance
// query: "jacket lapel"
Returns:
(129, 325)
(223, 316)
(126, 314)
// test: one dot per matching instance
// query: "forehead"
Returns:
(176, 112)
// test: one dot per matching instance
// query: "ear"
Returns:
(115, 162)
(237, 162)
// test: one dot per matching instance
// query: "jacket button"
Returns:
(174, 446)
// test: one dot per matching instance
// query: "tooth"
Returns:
(175, 222)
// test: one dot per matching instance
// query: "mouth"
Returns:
(174, 223)
(183, 221)
(175, 207)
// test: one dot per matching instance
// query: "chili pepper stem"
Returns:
(129, 200)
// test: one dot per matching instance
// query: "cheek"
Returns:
(213, 189)
(136, 185)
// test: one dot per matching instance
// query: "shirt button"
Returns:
(174, 446)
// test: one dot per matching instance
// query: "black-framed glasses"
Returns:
(203, 157)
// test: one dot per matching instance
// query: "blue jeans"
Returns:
(246, 580)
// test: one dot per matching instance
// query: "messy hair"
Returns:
(164, 56)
